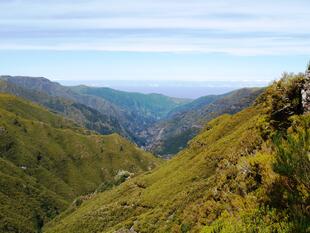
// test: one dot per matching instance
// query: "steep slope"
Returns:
(196, 104)
(112, 113)
(223, 182)
(153, 106)
(80, 113)
(101, 109)
(47, 161)
(170, 135)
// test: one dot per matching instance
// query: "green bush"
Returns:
(282, 100)
(261, 220)
(293, 164)
(293, 156)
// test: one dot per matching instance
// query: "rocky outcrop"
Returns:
(306, 92)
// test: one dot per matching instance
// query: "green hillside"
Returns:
(101, 109)
(195, 104)
(170, 135)
(248, 172)
(83, 115)
(48, 161)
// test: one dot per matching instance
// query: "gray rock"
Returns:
(306, 93)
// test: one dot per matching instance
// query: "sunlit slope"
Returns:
(176, 193)
(84, 115)
(97, 109)
(224, 178)
(103, 110)
(169, 136)
(47, 161)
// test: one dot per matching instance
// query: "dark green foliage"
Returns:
(292, 158)
(283, 99)
(119, 178)
(293, 164)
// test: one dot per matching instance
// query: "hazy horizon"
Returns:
(172, 88)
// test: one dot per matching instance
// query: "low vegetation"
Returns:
(47, 161)
(248, 172)
(170, 135)
(100, 109)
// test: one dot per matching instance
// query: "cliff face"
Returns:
(306, 92)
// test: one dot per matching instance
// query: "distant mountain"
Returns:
(171, 134)
(80, 113)
(156, 122)
(196, 104)
(47, 161)
(154, 106)
(102, 109)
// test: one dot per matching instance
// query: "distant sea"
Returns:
(181, 89)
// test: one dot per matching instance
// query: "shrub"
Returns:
(285, 100)
(259, 220)
(293, 164)
(293, 157)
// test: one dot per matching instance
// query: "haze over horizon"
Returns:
(172, 88)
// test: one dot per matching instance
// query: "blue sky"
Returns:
(154, 40)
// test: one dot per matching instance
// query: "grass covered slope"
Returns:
(224, 181)
(82, 114)
(101, 109)
(47, 161)
(92, 112)
(173, 196)
(169, 136)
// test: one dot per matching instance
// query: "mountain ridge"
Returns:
(118, 118)
(152, 121)
(185, 122)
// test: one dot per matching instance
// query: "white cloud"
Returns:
(245, 27)
(236, 46)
